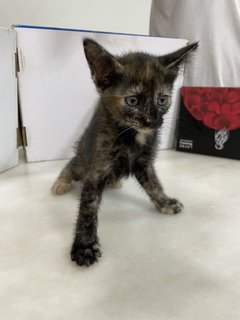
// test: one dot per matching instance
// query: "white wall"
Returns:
(128, 16)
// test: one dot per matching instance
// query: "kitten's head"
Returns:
(136, 87)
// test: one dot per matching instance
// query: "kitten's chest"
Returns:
(126, 154)
(122, 161)
(129, 148)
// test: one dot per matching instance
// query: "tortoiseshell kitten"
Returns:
(122, 137)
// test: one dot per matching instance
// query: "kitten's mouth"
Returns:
(149, 128)
(143, 127)
(151, 125)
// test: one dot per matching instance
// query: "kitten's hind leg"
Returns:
(69, 173)
(114, 183)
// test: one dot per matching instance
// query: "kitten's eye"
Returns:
(132, 101)
(163, 100)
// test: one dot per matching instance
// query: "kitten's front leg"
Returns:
(147, 177)
(85, 248)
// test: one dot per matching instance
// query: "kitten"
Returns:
(122, 136)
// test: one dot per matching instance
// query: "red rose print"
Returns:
(217, 108)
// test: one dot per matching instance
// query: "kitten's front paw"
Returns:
(60, 186)
(85, 255)
(169, 206)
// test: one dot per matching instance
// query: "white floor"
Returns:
(181, 267)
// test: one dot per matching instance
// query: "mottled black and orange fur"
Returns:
(122, 137)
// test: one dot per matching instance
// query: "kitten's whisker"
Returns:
(120, 134)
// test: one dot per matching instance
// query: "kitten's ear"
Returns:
(103, 66)
(174, 59)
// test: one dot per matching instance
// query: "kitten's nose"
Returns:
(150, 123)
